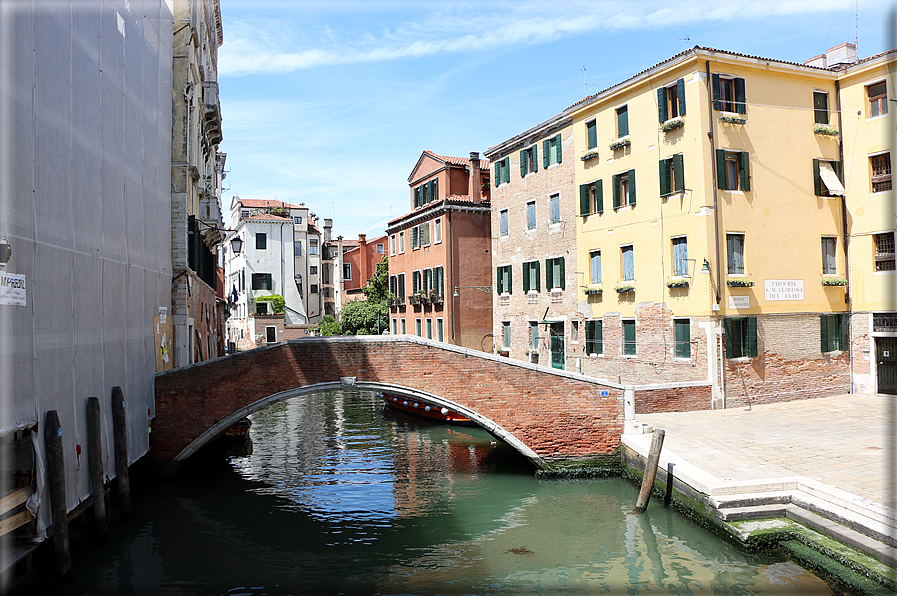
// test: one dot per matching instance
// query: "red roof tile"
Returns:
(458, 161)
(267, 217)
(266, 203)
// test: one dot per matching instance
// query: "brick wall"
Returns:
(673, 399)
(284, 332)
(194, 298)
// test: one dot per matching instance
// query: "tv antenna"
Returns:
(585, 77)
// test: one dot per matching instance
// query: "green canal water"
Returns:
(340, 496)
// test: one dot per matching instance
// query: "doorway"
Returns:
(556, 344)
(886, 359)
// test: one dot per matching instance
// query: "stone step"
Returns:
(881, 551)
(750, 499)
(835, 511)
(752, 512)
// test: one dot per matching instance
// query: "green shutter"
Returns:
(745, 171)
(750, 342)
(498, 280)
(717, 93)
(679, 172)
(664, 177)
(535, 150)
(536, 285)
(662, 105)
(623, 121)
(435, 189)
(549, 275)
(592, 134)
(562, 272)
(683, 337)
(837, 166)
(506, 170)
(616, 181)
(557, 139)
(843, 331)
(496, 176)
(740, 102)
(721, 169)
(727, 325)
(526, 277)
(823, 334)
(546, 152)
(584, 199)
(599, 196)
(817, 181)
(680, 89)
(510, 287)
(632, 187)
(522, 163)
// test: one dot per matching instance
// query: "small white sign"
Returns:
(163, 314)
(12, 289)
(784, 289)
(739, 302)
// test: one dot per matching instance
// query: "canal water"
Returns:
(336, 495)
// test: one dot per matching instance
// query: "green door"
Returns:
(886, 356)
(557, 345)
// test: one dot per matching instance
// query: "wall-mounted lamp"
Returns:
(705, 267)
(486, 289)
(5, 252)
(236, 244)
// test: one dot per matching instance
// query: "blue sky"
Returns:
(330, 103)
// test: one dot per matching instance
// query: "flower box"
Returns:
(825, 130)
(732, 120)
(624, 289)
(620, 144)
(590, 154)
(677, 283)
(672, 124)
(593, 291)
(740, 283)
(414, 299)
(834, 281)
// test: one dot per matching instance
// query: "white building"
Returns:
(281, 255)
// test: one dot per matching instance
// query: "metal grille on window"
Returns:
(884, 252)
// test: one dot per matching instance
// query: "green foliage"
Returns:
(377, 288)
(329, 326)
(276, 301)
(364, 317)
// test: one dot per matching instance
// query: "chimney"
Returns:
(474, 177)
(328, 227)
(362, 260)
(842, 55)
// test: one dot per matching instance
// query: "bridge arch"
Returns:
(350, 383)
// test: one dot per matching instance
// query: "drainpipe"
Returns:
(451, 269)
(845, 233)
(722, 370)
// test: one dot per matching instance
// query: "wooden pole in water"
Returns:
(644, 495)
(120, 426)
(95, 466)
(56, 486)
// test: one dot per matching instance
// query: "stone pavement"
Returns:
(847, 442)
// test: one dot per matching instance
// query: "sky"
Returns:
(330, 103)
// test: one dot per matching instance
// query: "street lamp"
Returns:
(236, 244)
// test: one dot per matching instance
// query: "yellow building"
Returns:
(711, 226)
(868, 129)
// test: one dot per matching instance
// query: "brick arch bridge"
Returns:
(546, 414)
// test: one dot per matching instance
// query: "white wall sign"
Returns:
(12, 288)
(739, 302)
(784, 289)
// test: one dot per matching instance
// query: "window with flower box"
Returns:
(820, 107)
(622, 121)
(671, 101)
(728, 94)
(591, 134)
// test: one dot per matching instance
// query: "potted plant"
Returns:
(590, 154)
(414, 299)
(619, 144)
(677, 283)
(435, 298)
(624, 288)
(825, 130)
(672, 124)
(593, 290)
(732, 120)
(834, 281)
(739, 282)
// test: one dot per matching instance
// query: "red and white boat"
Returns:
(423, 409)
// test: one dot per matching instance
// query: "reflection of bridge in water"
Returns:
(544, 413)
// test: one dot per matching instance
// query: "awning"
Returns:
(830, 179)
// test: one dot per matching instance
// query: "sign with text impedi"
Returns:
(783, 289)
(12, 288)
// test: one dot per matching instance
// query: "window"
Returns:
(439, 280)
(592, 134)
(680, 256)
(427, 280)
(395, 327)
(416, 281)
(503, 222)
(506, 334)
(728, 94)
(884, 251)
(733, 170)
(261, 241)
(672, 175)
(393, 285)
(379, 248)
(594, 337)
(622, 121)
(531, 215)
(574, 331)
(555, 275)
(832, 333)
(297, 248)
(881, 172)
(312, 246)
(503, 279)
(682, 338)
(554, 209)
(528, 163)
(827, 178)
(502, 171)
(595, 260)
(297, 219)
(671, 101)
(261, 308)
(347, 270)
(533, 336)
(735, 253)
(392, 245)
(531, 276)
(437, 230)
(401, 242)
(440, 336)
(400, 294)
(429, 328)
(313, 270)
(627, 261)
(624, 189)
(820, 107)
(423, 234)
(418, 328)
(878, 99)
(244, 213)
(829, 263)
(741, 337)
(404, 327)
(313, 289)
(629, 337)
(262, 281)
(551, 151)
(591, 198)
(270, 335)
(426, 193)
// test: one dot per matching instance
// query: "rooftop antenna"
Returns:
(856, 31)
(585, 77)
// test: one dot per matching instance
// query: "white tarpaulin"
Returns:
(830, 179)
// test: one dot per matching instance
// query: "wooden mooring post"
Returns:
(120, 426)
(95, 467)
(644, 495)
(56, 486)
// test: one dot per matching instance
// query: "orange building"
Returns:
(358, 265)
(439, 254)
